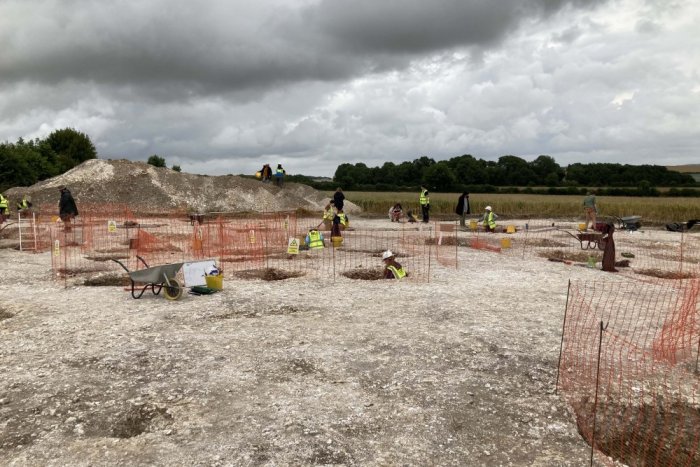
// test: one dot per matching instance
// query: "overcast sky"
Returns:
(223, 86)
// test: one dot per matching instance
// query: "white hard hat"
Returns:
(488, 208)
(387, 254)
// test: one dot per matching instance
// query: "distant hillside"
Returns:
(692, 169)
(686, 169)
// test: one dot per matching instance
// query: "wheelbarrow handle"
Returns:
(143, 261)
(120, 264)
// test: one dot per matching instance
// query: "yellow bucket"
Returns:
(510, 229)
(215, 282)
(336, 241)
(582, 227)
(505, 243)
(472, 224)
(258, 175)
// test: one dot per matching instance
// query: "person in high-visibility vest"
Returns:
(489, 220)
(314, 239)
(424, 200)
(279, 175)
(328, 215)
(24, 205)
(3, 208)
(340, 223)
(392, 269)
(343, 219)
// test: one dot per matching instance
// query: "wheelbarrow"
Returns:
(156, 278)
(589, 240)
(629, 223)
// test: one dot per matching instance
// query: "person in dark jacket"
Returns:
(463, 208)
(338, 199)
(609, 248)
(67, 209)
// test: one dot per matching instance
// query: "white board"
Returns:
(195, 272)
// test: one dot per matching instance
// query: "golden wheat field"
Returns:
(653, 210)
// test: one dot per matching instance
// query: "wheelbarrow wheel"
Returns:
(172, 291)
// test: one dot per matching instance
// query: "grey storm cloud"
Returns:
(222, 86)
(217, 45)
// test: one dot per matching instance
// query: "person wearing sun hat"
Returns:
(392, 269)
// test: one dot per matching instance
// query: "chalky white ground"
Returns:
(457, 371)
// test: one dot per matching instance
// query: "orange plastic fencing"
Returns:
(628, 369)
(644, 255)
(236, 243)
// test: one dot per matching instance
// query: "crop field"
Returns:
(652, 210)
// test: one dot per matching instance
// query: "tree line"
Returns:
(26, 162)
(466, 173)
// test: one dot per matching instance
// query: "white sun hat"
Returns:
(387, 254)
(488, 208)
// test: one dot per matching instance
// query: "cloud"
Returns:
(224, 86)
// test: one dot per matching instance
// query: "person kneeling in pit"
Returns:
(314, 239)
(489, 220)
(392, 269)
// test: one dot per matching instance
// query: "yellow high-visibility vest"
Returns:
(398, 273)
(489, 220)
(424, 198)
(315, 240)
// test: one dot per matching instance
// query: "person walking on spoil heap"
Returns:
(266, 173)
(590, 209)
(4, 209)
(67, 210)
(279, 175)
(392, 269)
(424, 200)
(339, 199)
(24, 205)
(463, 209)
(489, 220)
(314, 239)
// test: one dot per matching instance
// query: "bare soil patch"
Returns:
(665, 274)
(365, 274)
(267, 274)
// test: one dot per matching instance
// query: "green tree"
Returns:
(439, 177)
(344, 176)
(15, 170)
(156, 161)
(71, 148)
(513, 170)
(547, 171)
(177, 168)
(468, 170)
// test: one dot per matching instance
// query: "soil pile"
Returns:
(148, 189)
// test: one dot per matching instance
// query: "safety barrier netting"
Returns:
(263, 241)
(628, 369)
(645, 255)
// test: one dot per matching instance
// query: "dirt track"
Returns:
(458, 371)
